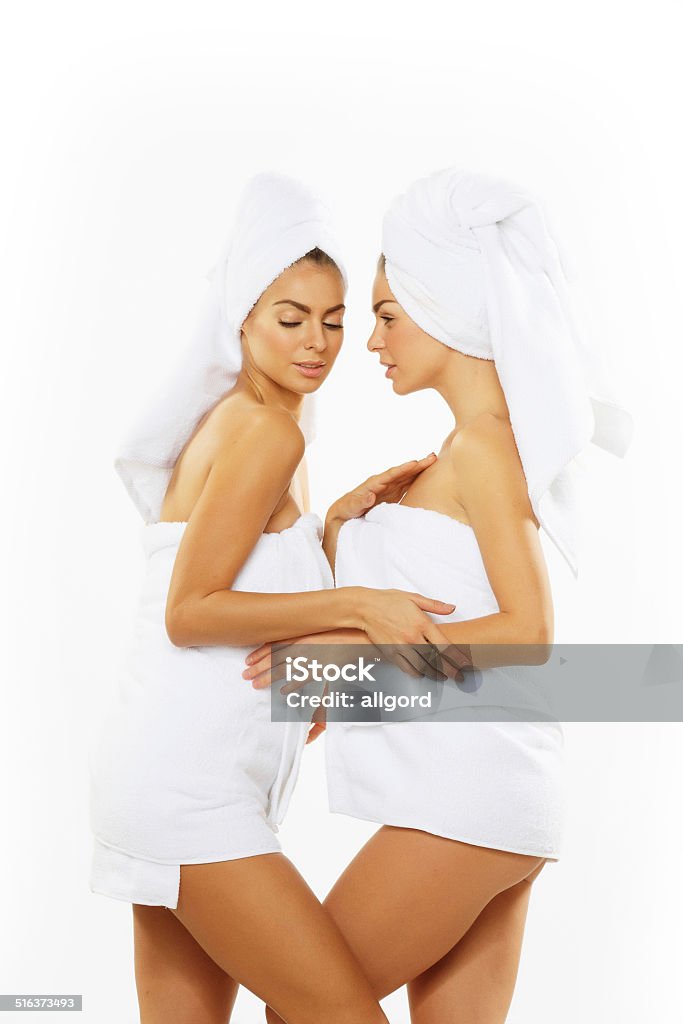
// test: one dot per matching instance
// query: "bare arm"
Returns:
(248, 478)
(302, 489)
(492, 489)
(250, 475)
(330, 537)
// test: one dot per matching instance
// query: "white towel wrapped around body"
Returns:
(498, 784)
(188, 766)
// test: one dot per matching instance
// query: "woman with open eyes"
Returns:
(470, 303)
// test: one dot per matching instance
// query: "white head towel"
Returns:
(278, 220)
(472, 262)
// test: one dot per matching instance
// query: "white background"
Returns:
(128, 132)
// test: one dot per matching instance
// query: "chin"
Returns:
(401, 387)
(306, 385)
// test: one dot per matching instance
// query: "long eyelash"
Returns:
(333, 327)
(297, 323)
(386, 319)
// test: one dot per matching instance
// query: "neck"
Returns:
(470, 387)
(269, 392)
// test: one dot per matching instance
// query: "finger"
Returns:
(454, 655)
(398, 487)
(257, 653)
(410, 470)
(294, 684)
(458, 655)
(274, 661)
(271, 658)
(431, 604)
(257, 667)
(361, 499)
(400, 475)
(428, 659)
(274, 670)
(449, 667)
(400, 484)
(262, 681)
(411, 466)
(405, 659)
(390, 475)
(366, 500)
(315, 731)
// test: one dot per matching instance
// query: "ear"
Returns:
(246, 323)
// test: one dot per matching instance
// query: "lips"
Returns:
(312, 368)
(390, 367)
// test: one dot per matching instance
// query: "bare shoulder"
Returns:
(484, 457)
(244, 424)
(486, 436)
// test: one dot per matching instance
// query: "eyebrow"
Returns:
(305, 309)
(375, 308)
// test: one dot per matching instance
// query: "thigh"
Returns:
(409, 896)
(476, 979)
(176, 980)
(259, 920)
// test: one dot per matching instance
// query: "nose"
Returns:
(375, 341)
(316, 339)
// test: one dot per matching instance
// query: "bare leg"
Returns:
(176, 980)
(263, 926)
(408, 897)
(475, 981)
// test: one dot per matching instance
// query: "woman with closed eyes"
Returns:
(189, 776)
(470, 303)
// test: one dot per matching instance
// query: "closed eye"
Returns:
(297, 323)
(387, 319)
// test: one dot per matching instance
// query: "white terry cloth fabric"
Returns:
(499, 784)
(472, 262)
(278, 220)
(187, 766)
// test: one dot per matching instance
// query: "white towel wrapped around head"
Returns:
(278, 220)
(472, 262)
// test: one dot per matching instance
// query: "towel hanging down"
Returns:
(472, 262)
(278, 220)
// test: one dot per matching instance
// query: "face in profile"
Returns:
(413, 359)
(295, 331)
